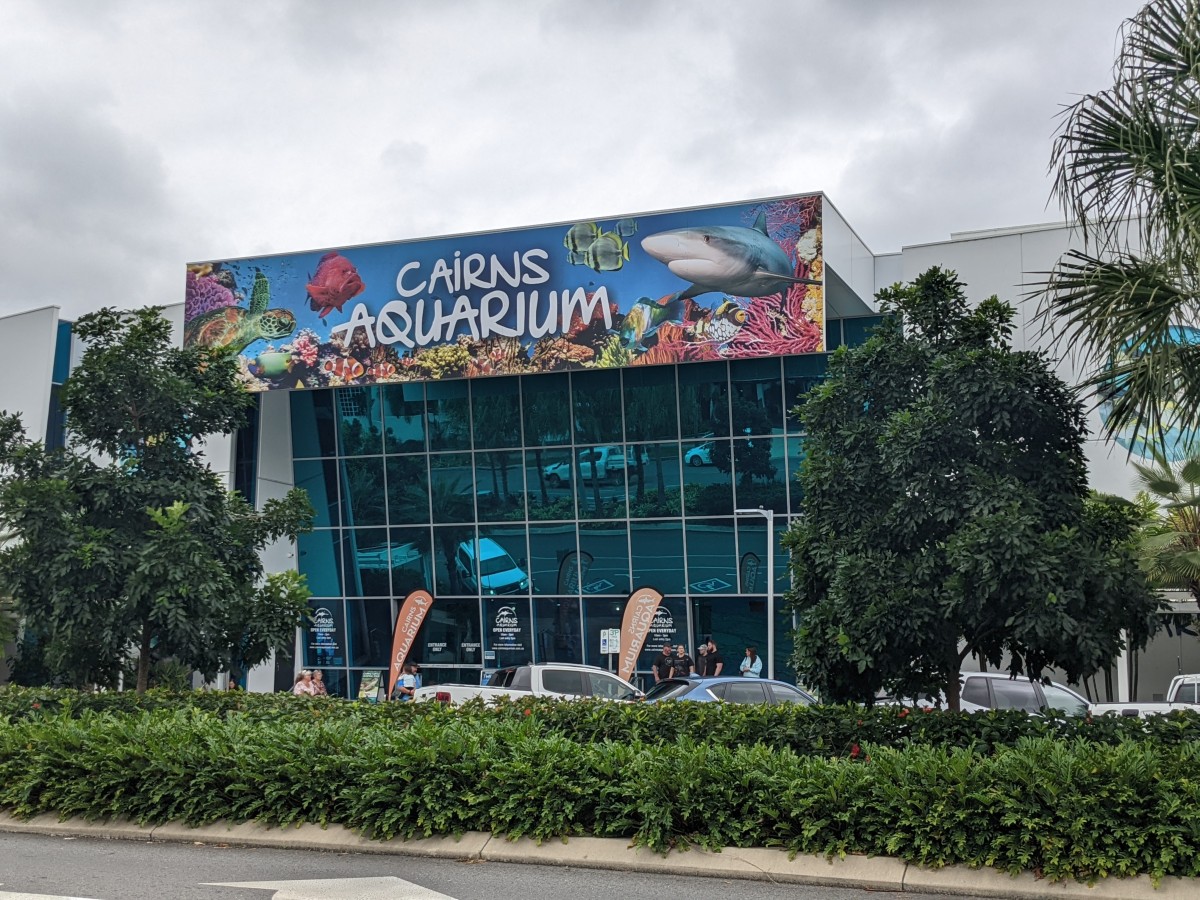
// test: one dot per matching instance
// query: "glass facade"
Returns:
(532, 505)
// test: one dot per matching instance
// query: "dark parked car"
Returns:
(731, 689)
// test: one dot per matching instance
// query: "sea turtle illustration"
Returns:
(238, 328)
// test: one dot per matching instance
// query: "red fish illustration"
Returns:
(382, 370)
(346, 368)
(336, 282)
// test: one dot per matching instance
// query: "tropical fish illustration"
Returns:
(580, 237)
(336, 282)
(742, 262)
(237, 328)
(625, 227)
(608, 253)
(382, 370)
(645, 317)
(724, 322)
(345, 367)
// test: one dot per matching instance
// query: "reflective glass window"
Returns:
(1015, 694)
(651, 404)
(657, 555)
(411, 561)
(449, 636)
(407, 489)
(439, 675)
(325, 635)
(711, 556)
(600, 613)
(752, 538)
(668, 627)
(604, 687)
(549, 474)
(976, 691)
(1063, 700)
(795, 458)
(318, 477)
(748, 691)
(314, 432)
(758, 467)
(563, 681)
(604, 549)
(556, 630)
(598, 474)
(449, 415)
(454, 571)
(336, 682)
(801, 375)
(364, 497)
(359, 429)
(499, 485)
(507, 631)
(597, 405)
(781, 694)
(452, 487)
(502, 560)
(858, 331)
(367, 563)
(554, 561)
(546, 408)
(757, 395)
(703, 400)
(319, 555)
(496, 412)
(653, 480)
(708, 478)
(404, 417)
(369, 626)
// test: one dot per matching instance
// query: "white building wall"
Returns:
(27, 342)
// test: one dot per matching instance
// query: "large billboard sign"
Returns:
(723, 282)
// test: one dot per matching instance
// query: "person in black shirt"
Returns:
(716, 662)
(682, 665)
(662, 664)
(702, 660)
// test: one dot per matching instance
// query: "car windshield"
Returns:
(496, 564)
(665, 690)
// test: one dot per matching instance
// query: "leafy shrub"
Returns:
(1067, 808)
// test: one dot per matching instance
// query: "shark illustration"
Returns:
(742, 262)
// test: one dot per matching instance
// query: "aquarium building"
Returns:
(531, 424)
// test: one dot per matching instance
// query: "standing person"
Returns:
(417, 675)
(406, 684)
(662, 664)
(702, 661)
(752, 665)
(318, 683)
(682, 665)
(716, 662)
(303, 686)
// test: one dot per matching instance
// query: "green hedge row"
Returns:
(1068, 809)
(822, 731)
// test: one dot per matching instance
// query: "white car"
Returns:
(996, 690)
(700, 455)
(603, 463)
(498, 572)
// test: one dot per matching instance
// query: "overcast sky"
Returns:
(136, 136)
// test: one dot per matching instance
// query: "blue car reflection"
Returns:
(732, 689)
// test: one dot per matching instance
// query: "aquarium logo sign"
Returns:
(511, 288)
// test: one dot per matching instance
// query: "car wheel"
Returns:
(696, 461)
(554, 481)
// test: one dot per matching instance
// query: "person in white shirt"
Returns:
(752, 664)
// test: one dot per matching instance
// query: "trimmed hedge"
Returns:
(829, 731)
(1068, 809)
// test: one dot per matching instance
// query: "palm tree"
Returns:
(1171, 539)
(1126, 163)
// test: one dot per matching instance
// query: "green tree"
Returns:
(127, 540)
(1126, 163)
(947, 513)
(1171, 536)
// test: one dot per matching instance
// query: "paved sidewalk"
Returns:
(875, 873)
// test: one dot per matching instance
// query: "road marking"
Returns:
(9, 895)
(385, 888)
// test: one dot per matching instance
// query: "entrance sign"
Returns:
(721, 282)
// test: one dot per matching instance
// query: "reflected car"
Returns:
(728, 689)
(982, 691)
(499, 573)
(699, 456)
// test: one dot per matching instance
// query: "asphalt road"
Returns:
(132, 870)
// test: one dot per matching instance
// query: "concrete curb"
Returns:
(753, 863)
